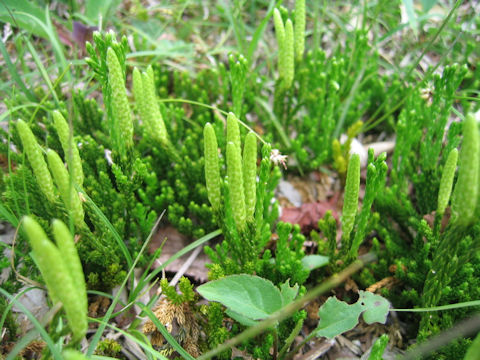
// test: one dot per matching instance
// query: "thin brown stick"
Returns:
(288, 310)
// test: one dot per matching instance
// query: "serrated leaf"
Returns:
(312, 262)
(376, 307)
(288, 293)
(248, 295)
(336, 317)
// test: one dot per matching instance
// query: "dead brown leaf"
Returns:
(307, 215)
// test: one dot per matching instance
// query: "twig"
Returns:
(285, 312)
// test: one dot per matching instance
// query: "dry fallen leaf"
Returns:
(307, 215)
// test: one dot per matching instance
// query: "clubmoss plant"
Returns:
(245, 235)
(350, 199)
(435, 261)
(289, 61)
(243, 209)
(249, 169)
(450, 255)
(66, 189)
(111, 75)
(318, 97)
(341, 152)
(465, 195)
(356, 225)
(299, 31)
(69, 148)
(238, 77)
(417, 150)
(280, 34)
(168, 146)
(37, 161)
(122, 117)
(146, 99)
(235, 185)
(62, 272)
(212, 171)
(446, 183)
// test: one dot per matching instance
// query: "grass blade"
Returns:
(179, 254)
(443, 307)
(12, 70)
(144, 346)
(168, 337)
(110, 227)
(96, 338)
(257, 35)
(52, 37)
(38, 328)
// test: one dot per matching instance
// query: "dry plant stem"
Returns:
(462, 329)
(186, 265)
(288, 310)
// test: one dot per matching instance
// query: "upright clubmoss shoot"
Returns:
(465, 195)
(69, 148)
(119, 103)
(66, 245)
(350, 199)
(233, 131)
(238, 72)
(242, 209)
(289, 55)
(212, 171)
(66, 189)
(151, 115)
(280, 34)
(300, 15)
(37, 161)
(235, 185)
(62, 280)
(250, 174)
(446, 182)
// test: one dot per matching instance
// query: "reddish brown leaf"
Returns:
(308, 214)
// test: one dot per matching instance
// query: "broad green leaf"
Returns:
(245, 321)
(248, 295)
(336, 317)
(376, 307)
(9, 8)
(288, 293)
(312, 262)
